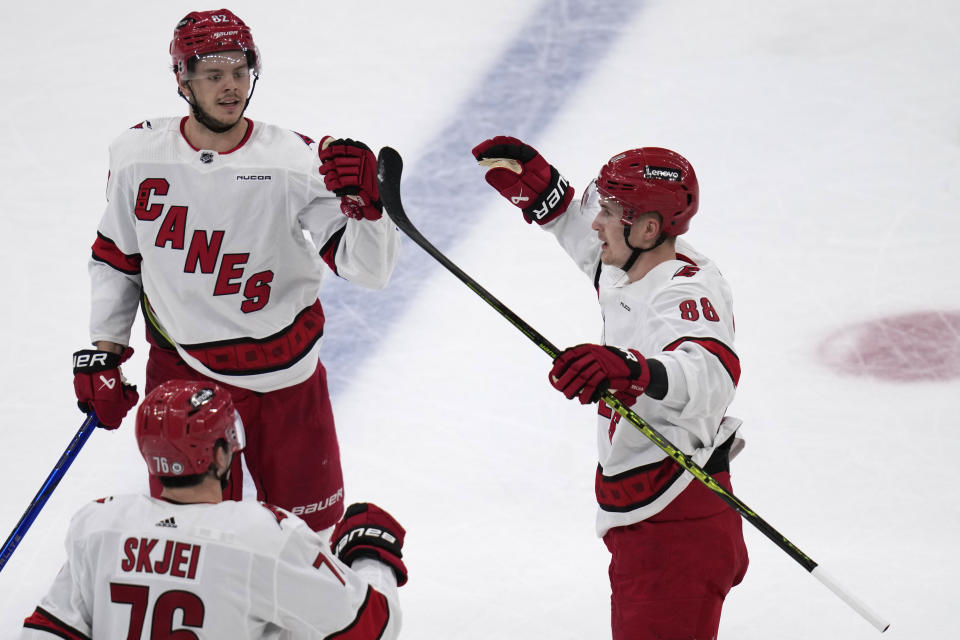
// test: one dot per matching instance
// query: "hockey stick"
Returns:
(33, 509)
(389, 170)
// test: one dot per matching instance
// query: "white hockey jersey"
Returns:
(139, 567)
(681, 314)
(213, 246)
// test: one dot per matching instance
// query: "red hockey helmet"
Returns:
(179, 423)
(652, 179)
(204, 32)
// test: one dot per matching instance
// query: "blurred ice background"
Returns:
(825, 136)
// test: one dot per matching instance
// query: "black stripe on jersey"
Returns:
(106, 251)
(43, 620)
(251, 356)
(635, 487)
(367, 625)
(727, 357)
(329, 249)
(155, 334)
(596, 277)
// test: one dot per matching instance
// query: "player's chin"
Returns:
(228, 118)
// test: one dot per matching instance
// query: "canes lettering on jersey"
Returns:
(203, 250)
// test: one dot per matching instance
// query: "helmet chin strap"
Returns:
(205, 119)
(637, 250)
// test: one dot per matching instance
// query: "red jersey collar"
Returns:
(242, 142)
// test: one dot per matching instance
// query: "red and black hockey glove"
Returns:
(367, 531)
(100, 386)
(588, 370)
(523, 177)
(349, 170)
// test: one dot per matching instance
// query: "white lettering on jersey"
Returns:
(178, 559)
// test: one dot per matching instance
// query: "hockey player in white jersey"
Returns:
(667, 351)
(189, 565)
(220, 228)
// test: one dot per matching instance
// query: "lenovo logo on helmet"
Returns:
(662, 173)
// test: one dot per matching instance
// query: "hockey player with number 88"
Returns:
(667, 352)
(221, 229)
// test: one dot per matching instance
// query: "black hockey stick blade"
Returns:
(389, 171)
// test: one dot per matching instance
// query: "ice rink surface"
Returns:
(827, 143)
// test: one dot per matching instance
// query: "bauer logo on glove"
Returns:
(101, 387)
(523, 177)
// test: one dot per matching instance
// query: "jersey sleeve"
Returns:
(319, 596)
(114, 265)
(361, 251)
(572, 230)
(63, 612)
(697, 338)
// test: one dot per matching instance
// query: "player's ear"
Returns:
(652, 225)
(645, 231)
(184, 89)
(221, 457)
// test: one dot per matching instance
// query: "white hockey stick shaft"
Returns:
(855, 603)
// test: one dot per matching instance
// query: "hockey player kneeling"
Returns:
(189, 565)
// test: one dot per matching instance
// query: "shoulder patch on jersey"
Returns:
(143, 125)
(104, 500)
(307, 140)
(277, 512)
(686, 271)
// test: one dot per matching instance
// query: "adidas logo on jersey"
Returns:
(167, 522)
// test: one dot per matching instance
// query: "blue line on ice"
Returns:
(526, 87)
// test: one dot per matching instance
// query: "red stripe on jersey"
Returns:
(42, 620)
(637, 487)
(329, 250)
(726, 356)
(106, 250)
(248, 356)
(371, 620)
